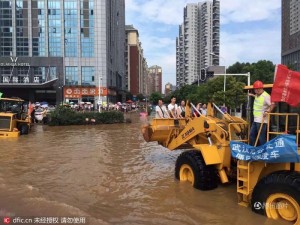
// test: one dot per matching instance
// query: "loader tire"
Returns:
(24, 129)
(190, 166)
(278, 196)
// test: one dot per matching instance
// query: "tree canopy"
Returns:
(213, 89)
(154, 97)
(262, 70)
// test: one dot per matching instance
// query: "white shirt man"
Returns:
(161, 111)
(173, 108)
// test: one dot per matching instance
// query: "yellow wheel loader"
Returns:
(14, 118)
(272, 189)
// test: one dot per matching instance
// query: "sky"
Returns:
(250, 31)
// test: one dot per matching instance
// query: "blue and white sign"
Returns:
(283, 148)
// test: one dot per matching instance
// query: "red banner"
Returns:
(286, 86)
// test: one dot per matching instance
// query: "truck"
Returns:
(271, 189)
(14, 117)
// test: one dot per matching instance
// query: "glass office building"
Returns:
(52, 50)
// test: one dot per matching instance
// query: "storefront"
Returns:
(84, 94)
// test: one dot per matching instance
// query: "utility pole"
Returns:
(99, 92)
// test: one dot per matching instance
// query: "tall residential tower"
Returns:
(197, 46)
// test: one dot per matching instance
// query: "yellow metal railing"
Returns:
(287, 118)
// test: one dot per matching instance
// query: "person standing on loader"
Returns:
(261, 106)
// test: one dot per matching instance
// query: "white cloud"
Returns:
(248, 11)
(250, 46)
(160, 11)
(171, 12)
(158, 20)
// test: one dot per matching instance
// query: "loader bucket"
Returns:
(160, 129)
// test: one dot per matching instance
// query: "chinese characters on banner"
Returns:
(78, 92)
(283, 148)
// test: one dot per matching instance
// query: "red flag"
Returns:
(286, 87)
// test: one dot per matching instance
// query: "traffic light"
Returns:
(203, 71)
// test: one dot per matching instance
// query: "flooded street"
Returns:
(109, 175)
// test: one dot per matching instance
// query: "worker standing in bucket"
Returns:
(261, 107)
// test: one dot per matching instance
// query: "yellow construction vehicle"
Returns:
(272, 189)
(14, 118)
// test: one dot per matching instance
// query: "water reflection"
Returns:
(110, 175)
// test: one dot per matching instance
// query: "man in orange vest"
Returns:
(262, 105)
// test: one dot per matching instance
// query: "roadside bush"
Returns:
(63, 116)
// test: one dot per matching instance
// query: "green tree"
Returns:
(234, 95)
(140, 97)
(262, 70)
(182, 93)
(238, 68)
(213, 89)
(154, 97)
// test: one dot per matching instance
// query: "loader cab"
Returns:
(292, 122)
(14, 105)
(14, 120)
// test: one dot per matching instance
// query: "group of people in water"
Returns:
(177, 111)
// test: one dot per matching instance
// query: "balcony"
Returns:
(216, 17)
(217, 4)
(216, 43)
(216, 24)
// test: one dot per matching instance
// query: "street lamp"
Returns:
(99, 93)
(61, 94)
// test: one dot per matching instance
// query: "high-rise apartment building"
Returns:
(290, 47)
(197, 45)
(169, 88)
(155, 79)
(62, 49)
(136, 64)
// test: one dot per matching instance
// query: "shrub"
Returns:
(63, 116)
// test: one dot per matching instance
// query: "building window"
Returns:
(71, 75)
(41, 73)
(52, 72)
(87, 28)
(71, 30)
(88, 75)
(6, 48)
(55, 27)
(38, 28)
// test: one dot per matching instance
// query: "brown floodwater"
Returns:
(109, 175)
